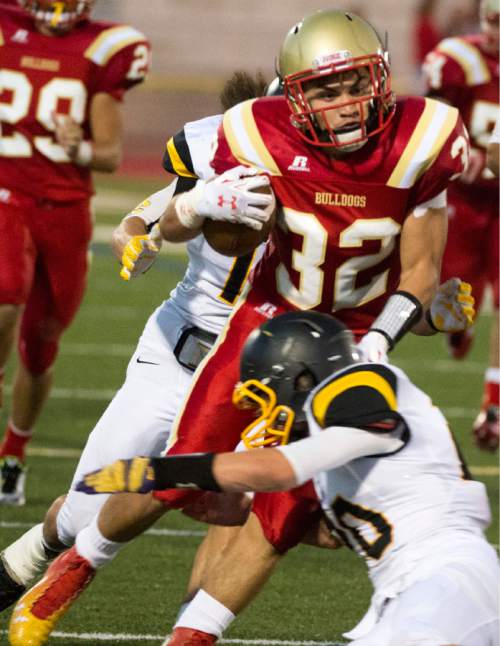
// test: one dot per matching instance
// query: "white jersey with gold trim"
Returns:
(394, 510)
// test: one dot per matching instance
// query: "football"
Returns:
(236, 239)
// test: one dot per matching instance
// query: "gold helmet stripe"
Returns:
(58, 12)
(244, 139)
(177, 164)
(433, 128)
(469, 58)
(111, 41)
(326, 395)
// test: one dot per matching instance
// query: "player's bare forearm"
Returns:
(262, 470)
(107, 131)
(493, 158)
(171, 228)
(422, 245)
(124, 232)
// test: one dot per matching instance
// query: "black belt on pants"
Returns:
(193, 346)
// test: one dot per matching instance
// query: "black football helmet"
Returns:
(281, 362)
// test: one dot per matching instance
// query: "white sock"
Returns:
(206, 614)
(94, 547)
(492, 375)
(181, 610)
(26, 557)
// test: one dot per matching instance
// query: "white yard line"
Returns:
(110, 637)
(105, 394)
(5, 524)
(123, 349)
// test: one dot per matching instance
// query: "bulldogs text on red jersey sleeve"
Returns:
(43, 75)
(336, 246)
(464, 73)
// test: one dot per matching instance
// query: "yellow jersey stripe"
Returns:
(447, 125)
(435, 124)
(469, 58)
(177, 163)
(245, 141)
(2, 42)
(326, 395)
(111, 41)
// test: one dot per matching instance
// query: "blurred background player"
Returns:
(493, 151)
(63, 79)
(177, 336)
(463, 71)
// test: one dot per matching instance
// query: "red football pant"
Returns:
(210, 423)
(472, 250)
(43, 266)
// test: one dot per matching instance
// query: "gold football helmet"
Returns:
(332, 42)
(59, 16)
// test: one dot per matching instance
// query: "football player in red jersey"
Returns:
(62, 81)
(360, 181)
(463, 71)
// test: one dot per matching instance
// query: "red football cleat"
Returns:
(40, 608)
(459, 343)
(190, 637)
(486, 429)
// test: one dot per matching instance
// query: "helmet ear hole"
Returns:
(305, 381)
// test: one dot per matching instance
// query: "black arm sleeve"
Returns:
(192, 471)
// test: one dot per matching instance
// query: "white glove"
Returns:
(228, 197)
(374, 347)
(140, 253)
(452, 309)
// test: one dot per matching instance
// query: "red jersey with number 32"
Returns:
(42, 75)
(464, 73)
(336, 244)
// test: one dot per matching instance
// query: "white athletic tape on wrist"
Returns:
(84, 153)
(400, 313)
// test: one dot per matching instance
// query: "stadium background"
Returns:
(197, 45)
(315, 595)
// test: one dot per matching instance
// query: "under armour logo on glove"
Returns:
(221, 201)
(231, 197)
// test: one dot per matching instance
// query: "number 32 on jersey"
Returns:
(308, 261)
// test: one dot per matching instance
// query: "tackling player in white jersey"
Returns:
(390, 478)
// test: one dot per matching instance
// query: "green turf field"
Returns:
(315, 595)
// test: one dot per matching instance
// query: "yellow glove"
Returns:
(452, 309)
(140, 253)
(135, 475)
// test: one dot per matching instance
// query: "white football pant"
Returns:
(139, 417)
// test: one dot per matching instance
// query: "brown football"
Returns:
(234, 239)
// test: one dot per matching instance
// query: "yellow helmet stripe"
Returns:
(244, 138)
(326, 395)
(469, 58)
(177, 163)
(434, 126)
(111, 41)
(58, 12)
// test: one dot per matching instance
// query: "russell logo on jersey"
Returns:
(300, 163)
